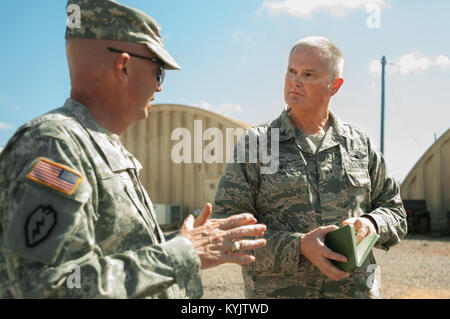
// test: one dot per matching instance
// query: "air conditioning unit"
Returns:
(168, 214)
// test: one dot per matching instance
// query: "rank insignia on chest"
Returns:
(55, 176)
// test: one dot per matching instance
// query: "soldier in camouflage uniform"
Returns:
(75, 220)
(329, 173)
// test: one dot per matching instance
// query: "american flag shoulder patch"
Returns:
(55, 176)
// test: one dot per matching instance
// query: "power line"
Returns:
(396, 103)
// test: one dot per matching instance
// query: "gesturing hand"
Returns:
(213, 238)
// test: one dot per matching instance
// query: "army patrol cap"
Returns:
(110, 20)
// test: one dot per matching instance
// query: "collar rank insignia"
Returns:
(55, 176)
(39, 225)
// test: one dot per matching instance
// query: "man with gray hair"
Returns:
(75, 219)
(329, 174)
(330, 54)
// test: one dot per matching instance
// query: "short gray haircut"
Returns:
(329, 51)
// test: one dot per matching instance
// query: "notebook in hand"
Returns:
(343, 241)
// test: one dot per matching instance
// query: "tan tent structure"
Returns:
(173, 174)
(429, 179)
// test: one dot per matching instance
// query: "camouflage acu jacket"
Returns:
(77, 223)
(346, 177)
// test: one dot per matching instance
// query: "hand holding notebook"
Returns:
(343, 241)
(363, 227)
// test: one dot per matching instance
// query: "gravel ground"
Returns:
(418, 267)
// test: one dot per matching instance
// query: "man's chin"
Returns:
(143, 114)
(295, 104)
(146, 112)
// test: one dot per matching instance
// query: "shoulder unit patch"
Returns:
(55, 176)
(39, 225)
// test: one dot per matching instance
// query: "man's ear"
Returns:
(121, 67)
(337, 83)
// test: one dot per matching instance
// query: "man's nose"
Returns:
(294, 78)
(158, 87)
(297, 80)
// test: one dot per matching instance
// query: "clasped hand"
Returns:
(313, 246)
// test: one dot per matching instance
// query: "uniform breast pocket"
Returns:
(121, 210)
(356, 165)
(358, 178)
(358, 189)
(119, 191)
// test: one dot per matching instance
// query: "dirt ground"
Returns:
(418, 267)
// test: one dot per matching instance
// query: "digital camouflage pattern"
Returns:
(110, 20)
(345, 178)
(107, 226)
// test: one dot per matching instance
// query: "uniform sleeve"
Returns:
(387, 212)
(237, 193)
(49, 236)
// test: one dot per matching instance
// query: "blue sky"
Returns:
(234, 55)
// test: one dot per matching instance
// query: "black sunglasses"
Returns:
(161, 72)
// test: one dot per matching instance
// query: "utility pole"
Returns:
(383, 65)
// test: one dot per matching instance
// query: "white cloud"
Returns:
(442, 61)
(375, 67)
(5, 126)
(306, 8)
(411, 62)
(203, 105)
(229, 108)
(226, 109)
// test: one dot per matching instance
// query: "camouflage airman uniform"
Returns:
(94, 214)
(346, 177)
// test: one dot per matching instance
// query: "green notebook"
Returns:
(343, 241)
